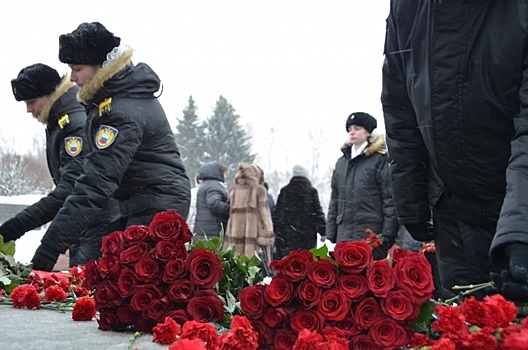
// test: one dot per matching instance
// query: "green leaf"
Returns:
(422, 322)
(321, 252)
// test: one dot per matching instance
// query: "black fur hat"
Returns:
(88, 44)
(362, 119)
(35, 81)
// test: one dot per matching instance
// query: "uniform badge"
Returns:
(105, 136)
(73, 145)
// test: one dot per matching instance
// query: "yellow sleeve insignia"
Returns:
(63, 121)
(105, 106)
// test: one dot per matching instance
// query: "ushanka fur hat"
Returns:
(88, 44)
(35, 81)
(362, 119)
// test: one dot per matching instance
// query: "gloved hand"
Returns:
(382, 251)
(422, 232)
(45, 258)
(508, 287)
(10, 232)
(517, 253)
(323, 238)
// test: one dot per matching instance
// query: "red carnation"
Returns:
(25, 296)
(55, 294)
(84, 309)
(198, 330)
(166, 332)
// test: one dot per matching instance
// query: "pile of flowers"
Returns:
(12, 273)
(147, 273)
(368, 304)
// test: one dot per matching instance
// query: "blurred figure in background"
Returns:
(298, 215)
(191, 218)
(212, 208)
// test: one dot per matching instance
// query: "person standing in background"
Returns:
(191, 218)
(52, 101)
(361, 195)
(298, 215)
(212, 208)
(134, 157)
(250, 227)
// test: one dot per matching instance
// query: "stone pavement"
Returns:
(24, 329)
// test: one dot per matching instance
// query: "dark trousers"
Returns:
(463, 233)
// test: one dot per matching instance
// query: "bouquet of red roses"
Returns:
(146, 273)
(370, 304)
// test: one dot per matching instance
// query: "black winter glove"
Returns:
(45, 258)
(382, 251)
(422, 232)
(517, 254)
(10, 232)
(510, 289)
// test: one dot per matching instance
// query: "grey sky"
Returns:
(292, 65)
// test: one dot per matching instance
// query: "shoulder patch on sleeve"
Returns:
(105, 136)
(73, 145)
(105, 106)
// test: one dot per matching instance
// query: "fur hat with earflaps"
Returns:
(362, 119)
(88, 44)
(35, 81)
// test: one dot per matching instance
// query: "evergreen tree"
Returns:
(226, 140)
(190, 138)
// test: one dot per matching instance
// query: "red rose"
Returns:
(388, 334)
(275, 317)
(279, 291)
(108, 321)
(284, 340)
(166, 332)
(352, 257)
(84, 309)
(157, 309)
(308, 294)
(179, 315)
(266, 335)
(205, 268)
(252, 301)
(180, 290)
(296, 264)
(363, 342)
(348, 325)
(109, 267)
(334, 305)
(367, 312)
(144, 324)
(91, 274)
(323, 273)
(147, 269)
(136, 233)
(126, 282)
(112, 244)
(399, 306)
(355, 286)
(308, 319)
(202, 331)
(381, 278)
(206, 306)
(169, 250)
(107, 296)
(414, 272)
(133, 253)
(127, 315)
(143, 296)
(173, 270)
(169, 224)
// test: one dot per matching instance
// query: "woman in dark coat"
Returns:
(212, 209)
(298, 215)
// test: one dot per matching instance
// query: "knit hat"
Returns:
(88, 44)
(362, 119)
(35, 81)
(299, 171)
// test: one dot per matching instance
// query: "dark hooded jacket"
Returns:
(212, 209)
(361, 196)
(441, 138)
(134, 157)
(66, 147)
(297, 218)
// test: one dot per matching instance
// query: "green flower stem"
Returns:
(469, 289)
(133, 339)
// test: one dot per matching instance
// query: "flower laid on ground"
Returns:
(147, 273)
(364, 303)
(62, 291)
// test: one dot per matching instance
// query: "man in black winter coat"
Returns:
(455, 105)
(52, 101)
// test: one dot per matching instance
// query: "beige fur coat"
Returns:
(250, 225)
